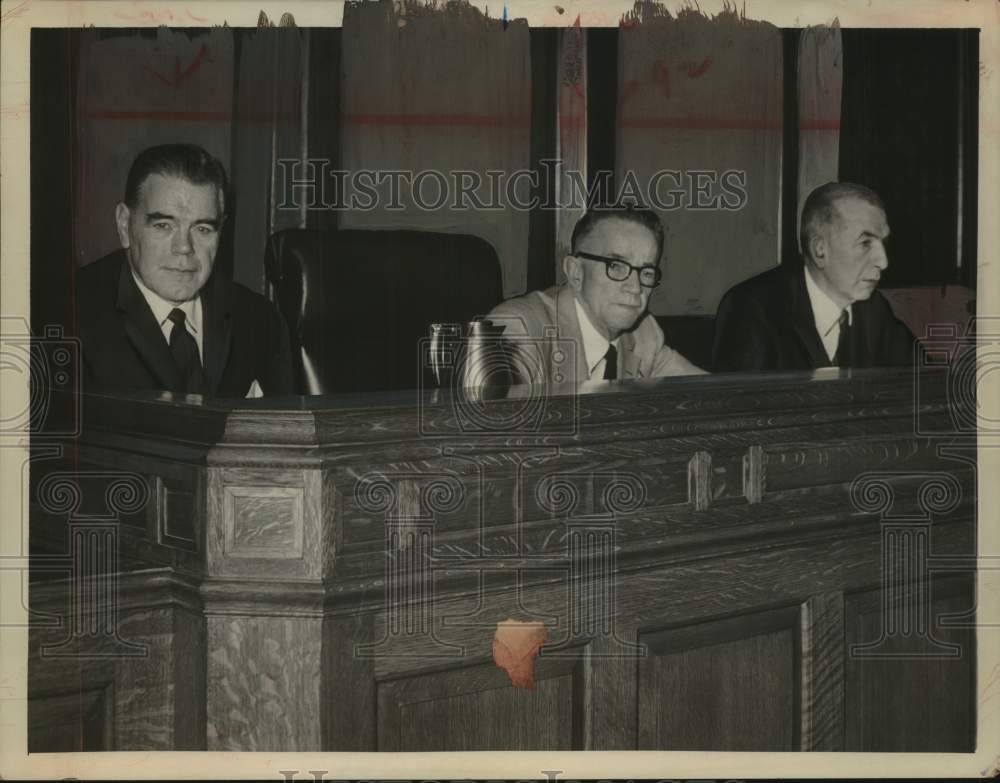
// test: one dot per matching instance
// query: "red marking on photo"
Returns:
(179, 75)
(699, 123)
(661, 76)
(628, 89)
(577, 34)
(571, 121)
(18, 10)
(193, 116)
(439, 120)
(696, 71)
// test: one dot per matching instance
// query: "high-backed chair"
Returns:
(357, 302)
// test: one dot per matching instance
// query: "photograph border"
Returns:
(18, 18)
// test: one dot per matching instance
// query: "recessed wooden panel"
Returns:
(71, 721)
(175, 513)
(909, 694)
(725, 685)
(263, 522)
(823, 672)
(477, 708)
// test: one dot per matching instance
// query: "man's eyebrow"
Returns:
(152, 217)
(612, 254)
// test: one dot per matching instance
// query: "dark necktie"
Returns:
(185, 351)
(611, 363)
(842, 358)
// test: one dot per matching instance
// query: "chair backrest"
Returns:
(357, 303)
(692, 335)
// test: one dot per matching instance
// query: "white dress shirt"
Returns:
(826, 315)
(594, 344)
(161, 310)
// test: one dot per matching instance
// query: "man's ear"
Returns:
(573, 270)
(817, 249)
(121, 222)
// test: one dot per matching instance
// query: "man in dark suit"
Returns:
(153, 316)
(827, 311)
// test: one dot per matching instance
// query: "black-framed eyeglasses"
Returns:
(619, 271)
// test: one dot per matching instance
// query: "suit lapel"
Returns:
(803, 320)
(569, 328)
(863, 337)
(217, 337)
(144, 332)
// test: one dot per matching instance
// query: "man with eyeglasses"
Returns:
(600, 311)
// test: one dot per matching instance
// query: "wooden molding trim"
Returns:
(700, 480)
(258, 598)
(754, 474)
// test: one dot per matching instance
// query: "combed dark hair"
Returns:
(185, 161)
(819, 206)
(640, 217)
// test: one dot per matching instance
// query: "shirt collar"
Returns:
(161, 307)
(594, 344)
(826, 312)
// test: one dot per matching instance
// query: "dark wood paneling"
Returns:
(900, 112)
(790, 146)
(324, 129)
(72, 721)
(54, 145)
(189, 675)
(724, 685)
(297, 652)
(154, 662)
(823, 672)
(477, 708)
(610, 672)
(917, 696)
(349, 683)
(544, 104)
(602, 111)
(794, 465)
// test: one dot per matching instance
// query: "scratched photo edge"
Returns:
(19, 17)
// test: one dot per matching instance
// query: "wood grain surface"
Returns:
(328, 573)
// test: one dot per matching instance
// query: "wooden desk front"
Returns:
(725, 563)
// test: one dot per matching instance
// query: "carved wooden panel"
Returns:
(264, 666)
(796, 465)
(266, 523)
(263, 522)
(293, 578)
(176, 510)
(722, 685)
(476, 708)
(906, 692)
